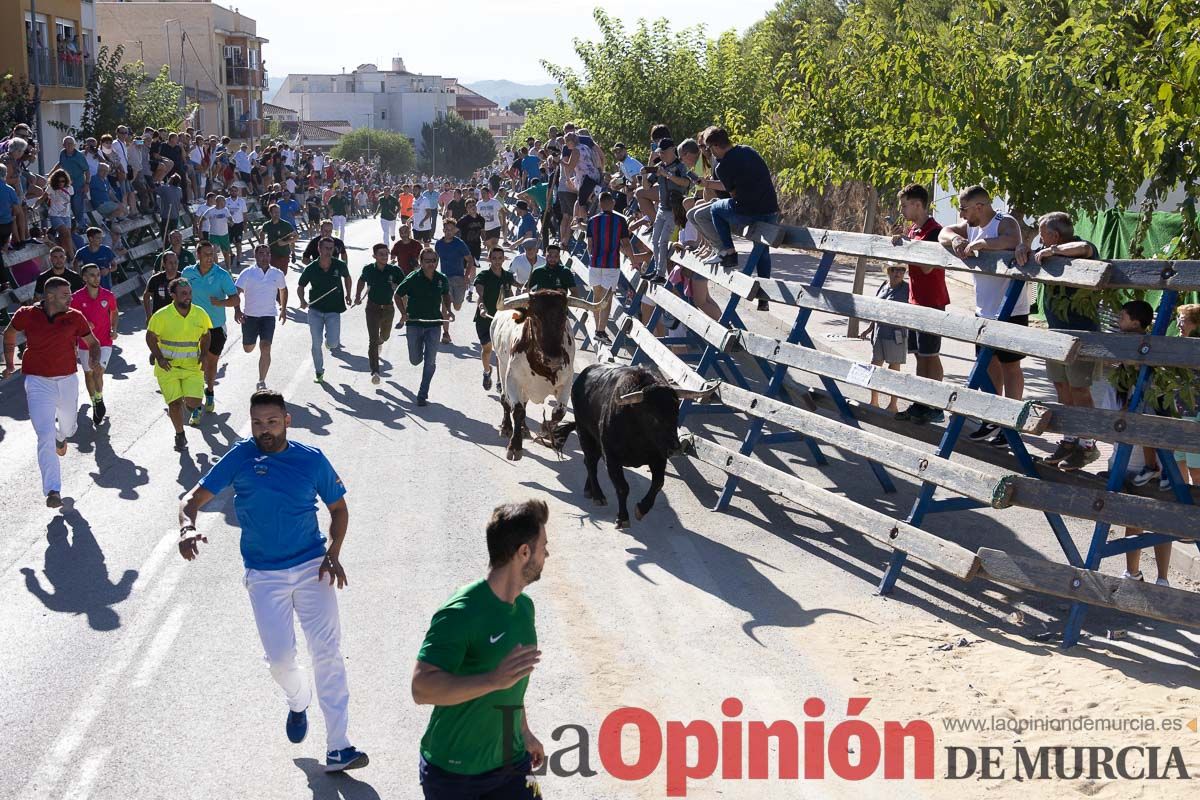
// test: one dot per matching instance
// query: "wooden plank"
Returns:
(1099, 505)
(27, 253)
(734, 282)
(1094, 588)
(1017, 414)
(132, 224)
(1054, 345)
(1183, 276)
(699, 323)
(1081, 272)
(670, 365)
(1146, 430)
(1157, 351)
(768, 234)
(992, 487)
(921, 545)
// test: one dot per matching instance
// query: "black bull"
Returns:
(629, 417)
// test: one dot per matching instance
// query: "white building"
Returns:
(395, 100)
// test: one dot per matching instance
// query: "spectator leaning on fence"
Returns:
(983, 228)
(1072, 382)
(928, 286)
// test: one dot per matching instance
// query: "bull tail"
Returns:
(560, 434)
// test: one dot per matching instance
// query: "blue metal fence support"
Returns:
(925, 503)
(1100, 547)
(799, 335)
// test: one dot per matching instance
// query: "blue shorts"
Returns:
(261, 329)
(505, 783)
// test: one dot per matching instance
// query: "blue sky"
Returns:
(471, 39)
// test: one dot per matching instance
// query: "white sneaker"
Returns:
(261, 385)
(1162, 582)
(715, 258)
(1133, 576)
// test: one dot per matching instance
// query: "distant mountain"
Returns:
(504, 92)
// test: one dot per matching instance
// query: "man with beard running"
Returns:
(177, 335)
(266, 295)
(276, 484)
(474, 668)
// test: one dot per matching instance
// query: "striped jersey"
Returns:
(605, 232)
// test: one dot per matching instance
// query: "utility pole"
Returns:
(37, 84)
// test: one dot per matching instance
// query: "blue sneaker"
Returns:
(194, 419)
(297, 726)
(344, 759)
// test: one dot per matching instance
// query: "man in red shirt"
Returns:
(99, 306)
(51, 330)
(927, 288)
(406, 250)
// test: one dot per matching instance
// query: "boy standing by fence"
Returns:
(889, 343)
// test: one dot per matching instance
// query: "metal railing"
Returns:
(39, 65)
(70, 73)
(244, 76)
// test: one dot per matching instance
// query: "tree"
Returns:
(549, 112)
(16, 104)
(122, 94)
(394, 151)
(452, 146)
(523, 105)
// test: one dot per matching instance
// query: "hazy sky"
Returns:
(468, 39)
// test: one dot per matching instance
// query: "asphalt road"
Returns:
(131, 673)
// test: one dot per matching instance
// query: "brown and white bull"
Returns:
(532, 339)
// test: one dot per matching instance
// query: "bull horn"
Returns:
(579, 302)
(696, 394)
(631, 398)
(520, 301)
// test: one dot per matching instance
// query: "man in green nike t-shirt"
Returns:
(474, 668)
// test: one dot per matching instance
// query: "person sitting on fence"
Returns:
(928, 289)
(1137, 318)
(889, 342)
(1189, 407)
(647, 193)
(983, 228)
(1061, 305)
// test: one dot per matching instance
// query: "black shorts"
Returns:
(566, 202)
(216, 341)
(483, 329)
(314, 216)
(236, 230)
(423, 236)
(505, 783)
(476, 248)
(923, 343)
(586, 188)
(491, 234)
(260, 329)
(1004, 356)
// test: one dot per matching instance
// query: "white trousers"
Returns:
(389, 229)
(53, 408)
(277, 597)
(339, 225)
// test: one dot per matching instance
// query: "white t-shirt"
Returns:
(261, 289)
(196, 155)
(291, 185)
(60, 201)
(241, 160)
(490, 211)
(216, 221)
(421, 220)
(521, 267)
(236, 206)
(202, 213)
(990, 289)
(630, 167)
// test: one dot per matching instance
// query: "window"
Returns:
(253, 59)
(382, 116)
(231, 53)
(382, 89)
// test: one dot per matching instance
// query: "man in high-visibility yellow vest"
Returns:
(176, 335)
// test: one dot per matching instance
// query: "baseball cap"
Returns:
(664, 144)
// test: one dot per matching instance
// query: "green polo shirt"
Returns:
(490, 287)
(424, 296)
(469, 635)
(337, 205)
(273, 232)
(381, 282)
(326, 285)
(388, 206)
(547, 277)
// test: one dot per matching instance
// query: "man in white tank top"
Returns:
(983, 228)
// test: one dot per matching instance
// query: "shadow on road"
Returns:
(76, 570)
(334, 785)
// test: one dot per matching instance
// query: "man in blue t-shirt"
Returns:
(97, 253)
(276, 484)
(288, 209)
(213, 290)
(457, 264)
(75, 164)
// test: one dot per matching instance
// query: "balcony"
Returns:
(244, 77)
(70, 72)
(39, 66)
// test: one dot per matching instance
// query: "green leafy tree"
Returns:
(123, 94)
(523, 105)
(550, 112)
(394, 151)
(16, 103)
(453, 146)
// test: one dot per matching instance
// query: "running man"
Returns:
(329, 302)
(217, 220)
(608, 237)
(51, 330)
(237, 220)
(490, 209)
(494, 284)
(456, 264)
(266, 296)
(474, 667)
(176, 335)
(276, 484)
(554, 275)
(339, 206)
(389, 207)
(213, 290)
(326, 232)
(425, 296)
(279, 235)
(99, 306)
(381, 280)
